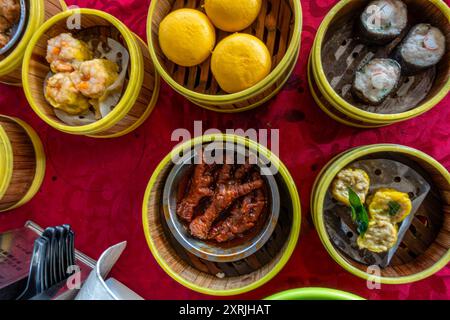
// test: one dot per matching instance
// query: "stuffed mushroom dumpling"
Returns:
(62, 94)
(65, 53)
(423, 48)
(376, 80)
(383, 20)
(390, 204)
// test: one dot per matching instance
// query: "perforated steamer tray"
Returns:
(383, 173)
(343, 53)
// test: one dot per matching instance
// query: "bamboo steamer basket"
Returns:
(38, 11)
(328, 109)
(278, 26)
(221, 279)
(434, 11)
(314, 294)
(22, 163)
(142, 85)
(426, 246)
(330, 106)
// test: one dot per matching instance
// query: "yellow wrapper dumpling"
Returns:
(356, 179)
(380, 236)
(62, 94)
(390, 204)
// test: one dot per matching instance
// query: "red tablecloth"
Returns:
(97, 186)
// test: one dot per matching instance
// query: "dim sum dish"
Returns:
(95, 80)
(423, 48)
(221, 210)
(84, 87)
(226, 56)
(12, 21)
(383, 20)
(376, 80)
(384, 23)
(221, 215)
(375, 63)
(384, 207)
(19, 20)
(377, 218)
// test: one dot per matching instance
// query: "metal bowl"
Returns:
(208, 250)
(17, 29)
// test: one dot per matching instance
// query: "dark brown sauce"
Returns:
(182, 191)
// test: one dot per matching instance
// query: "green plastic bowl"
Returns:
(314, 294)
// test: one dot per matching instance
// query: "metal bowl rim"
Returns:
(20, 27)
(231, 254)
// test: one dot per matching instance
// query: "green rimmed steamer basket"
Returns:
(214, 278)
(345, 110)
(426, 247)
(22, 163)
(36, 13)
(278, 26)
(140, 93)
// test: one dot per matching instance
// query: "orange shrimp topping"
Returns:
(56, 50)
(83, 85)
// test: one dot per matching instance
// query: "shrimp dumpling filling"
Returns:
(375, 81)
(384, 20)
(62, 94)
(94, 77)
(65, 53)
(423, 48)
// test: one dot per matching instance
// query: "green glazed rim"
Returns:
(314, 294)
